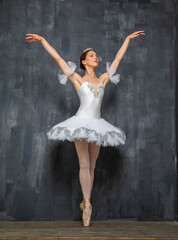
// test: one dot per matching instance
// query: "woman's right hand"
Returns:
(33, 38)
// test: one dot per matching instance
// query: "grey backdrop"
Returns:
(39, 177)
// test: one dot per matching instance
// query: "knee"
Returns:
(84, 164)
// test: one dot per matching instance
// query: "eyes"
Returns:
(92, 55)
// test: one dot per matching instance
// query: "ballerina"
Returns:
(87, 129)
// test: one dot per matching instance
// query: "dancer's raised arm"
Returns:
(123, 49)
(61, 62)
(114, 65)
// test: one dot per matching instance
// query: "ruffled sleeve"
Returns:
(114, 78)
(64, 77)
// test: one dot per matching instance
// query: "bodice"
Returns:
(90, 102)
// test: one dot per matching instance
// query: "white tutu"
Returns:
(87, 123)
(92, 130)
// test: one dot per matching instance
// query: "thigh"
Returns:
(93, 153)
(82, 151)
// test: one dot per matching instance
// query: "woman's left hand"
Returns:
(136, 34)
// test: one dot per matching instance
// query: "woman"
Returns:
(86, 128)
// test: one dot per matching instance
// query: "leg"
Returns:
(85, 178)
(93, 155)
(84, 173)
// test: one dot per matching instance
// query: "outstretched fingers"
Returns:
(140, 31)
(33, 37)
(29, 37)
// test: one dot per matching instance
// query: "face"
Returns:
(91, 59)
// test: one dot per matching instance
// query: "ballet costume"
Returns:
(87, 123)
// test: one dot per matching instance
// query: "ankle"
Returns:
(87, 202)
(86, 199)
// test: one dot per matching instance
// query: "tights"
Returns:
(87, 154)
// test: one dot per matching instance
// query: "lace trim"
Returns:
(114, 78)
(110, 138)
(64, 77)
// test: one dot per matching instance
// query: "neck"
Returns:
(90, 72)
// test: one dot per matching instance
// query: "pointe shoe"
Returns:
(82, 206)
(86, 219)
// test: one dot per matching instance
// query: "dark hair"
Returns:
(83, 56)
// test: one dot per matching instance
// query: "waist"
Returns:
(83, 113)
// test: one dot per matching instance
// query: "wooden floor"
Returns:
(104, 230)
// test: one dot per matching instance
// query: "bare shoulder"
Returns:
(104, 78)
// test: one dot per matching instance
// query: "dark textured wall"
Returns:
(39, 177)
(175, 77)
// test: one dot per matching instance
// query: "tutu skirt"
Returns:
(92, 130)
